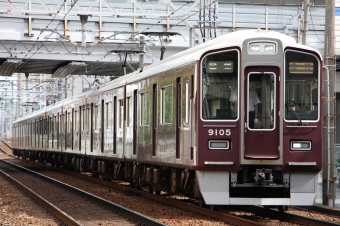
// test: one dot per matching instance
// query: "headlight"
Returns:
(269, 48)
(254, 48)
(301, 145)
(218, 144)
(262, 47)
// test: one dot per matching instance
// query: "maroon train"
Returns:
(234, 121)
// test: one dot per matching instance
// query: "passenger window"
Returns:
(87, 121)
(96, 118)
(167, 105)
(120, 114)
(145, 108)
(108, 115)
(69, 122)
(83, 120)
(128, 113)
(76, 121)
(186, 120)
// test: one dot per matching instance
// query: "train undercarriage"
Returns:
(251, 185)
(154, 178)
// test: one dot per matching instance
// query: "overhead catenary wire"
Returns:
(151, 27)
(30, 52)
(35, 44)
(46, 28)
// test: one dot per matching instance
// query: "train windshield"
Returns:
(301, 86)
(220, 85)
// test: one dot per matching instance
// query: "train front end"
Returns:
(259, 122)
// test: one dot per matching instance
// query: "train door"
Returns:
(154, 119)
(261, 131)
(91, 130)
(134, 122)
(120, 126)
(76, 130)
(107, 123)
(85, 129)
(128, 129)
(68, 131)
(178, 116)
(38, 132)
(82, 128)
(61, 132)
(102, 126)
(54, 132)
(96, 128)
(115, 125)
(47, 126)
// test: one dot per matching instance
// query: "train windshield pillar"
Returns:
(220, 85)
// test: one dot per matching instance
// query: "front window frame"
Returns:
(237, 68)
(319, 104)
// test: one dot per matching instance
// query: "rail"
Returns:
(134, 216)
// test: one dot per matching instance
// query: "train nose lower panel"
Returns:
(218, 189)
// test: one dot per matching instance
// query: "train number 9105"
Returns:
(219, 132)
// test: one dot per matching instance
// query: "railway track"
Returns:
(283, 216)
(229, 219)
(225, 214)
(71, 205)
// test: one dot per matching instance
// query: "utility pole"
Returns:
(305, 22)
(328, 107)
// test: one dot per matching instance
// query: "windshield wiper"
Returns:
(293, 113)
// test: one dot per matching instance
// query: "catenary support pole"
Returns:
(305, 22)
(328, 106)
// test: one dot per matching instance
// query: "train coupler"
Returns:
(233, 179)
(286, 180)
(263, 176)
